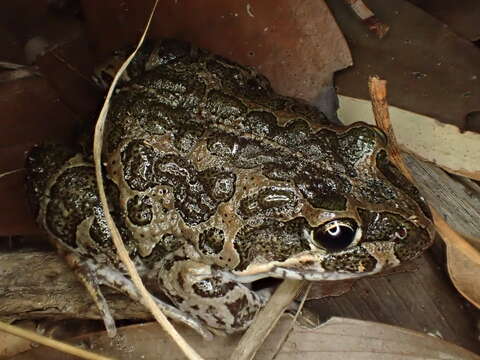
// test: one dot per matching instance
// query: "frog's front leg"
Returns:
(207, 292)
(93, 274)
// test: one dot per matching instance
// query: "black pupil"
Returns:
(335, 236)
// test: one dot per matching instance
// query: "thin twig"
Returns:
(189, 352)
(266, 320)
(286, 334)
(11, 172)
(43, 340)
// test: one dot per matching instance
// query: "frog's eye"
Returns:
(336, 235)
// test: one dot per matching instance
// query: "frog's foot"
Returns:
(92, 275)
(86, 274)
(209, 294)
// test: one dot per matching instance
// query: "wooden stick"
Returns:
(368, 18)
(39, 284)
(266, 320)
(378, 93)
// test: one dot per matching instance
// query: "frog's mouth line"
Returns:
(307, 267)
(279, 272)
(283, 272)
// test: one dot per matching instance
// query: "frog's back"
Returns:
(181, 91)
(185, 137)
(203, 149)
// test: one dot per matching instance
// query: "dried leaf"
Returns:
(430, 69)
(460, 16)
(16, 217)
(295, 43)
(464, 274)
(338, 338)
(463, 260)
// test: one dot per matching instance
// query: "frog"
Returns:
(215, 182)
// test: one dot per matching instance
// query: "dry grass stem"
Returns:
(189, 352)
(11, 172)
(378, 93)
(43, 340)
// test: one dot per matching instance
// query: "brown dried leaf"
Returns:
(16, 217)
(464, 274)
(295, 43)
(430, 69)
(338, 338)
(460, 16)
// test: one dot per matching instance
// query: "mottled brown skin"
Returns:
(215, 181)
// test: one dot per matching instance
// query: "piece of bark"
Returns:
(36, 284)
(457, 201)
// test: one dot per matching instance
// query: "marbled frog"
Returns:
(215, 181)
